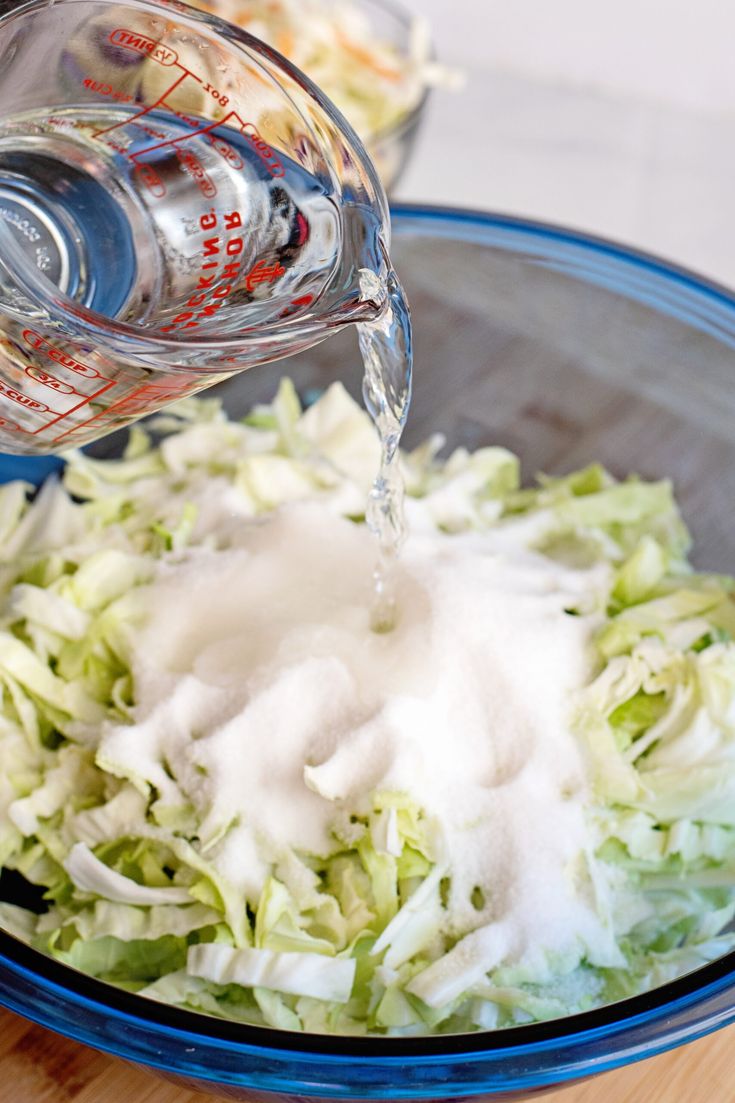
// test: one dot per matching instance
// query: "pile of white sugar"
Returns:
(264, 700)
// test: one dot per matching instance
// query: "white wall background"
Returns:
(614, 116)
(677, 51)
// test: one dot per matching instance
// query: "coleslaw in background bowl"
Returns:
(554, 278)
(372, 58)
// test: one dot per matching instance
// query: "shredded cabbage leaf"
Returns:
(375, 81)
(356, 942)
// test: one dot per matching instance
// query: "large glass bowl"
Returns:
(567, 350)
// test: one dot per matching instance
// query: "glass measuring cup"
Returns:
(177, 203)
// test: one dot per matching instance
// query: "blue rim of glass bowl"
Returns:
(514, 1059)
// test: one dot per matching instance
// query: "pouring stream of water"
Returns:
(387, 354)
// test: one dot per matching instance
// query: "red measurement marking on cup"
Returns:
(261, 147)
(71, 391)
(147, 174)
(142, 44)
(225, 150)
(40, 344)
(50, 381)
(143, 400)
(150, 179)
(146, 127)
(23, 399)
(269, 158)
(85, 401)
(158, 51)
(160, 102)
(102, 88)
(193, 167)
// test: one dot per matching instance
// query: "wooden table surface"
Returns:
(37, 1066)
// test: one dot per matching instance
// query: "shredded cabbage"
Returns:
(345, 51)
(356, 942)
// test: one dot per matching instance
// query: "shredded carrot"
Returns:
(365, 57)
(372, 79)
(285, 43)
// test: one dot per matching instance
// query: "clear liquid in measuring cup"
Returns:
(132, 246)
(143, 219)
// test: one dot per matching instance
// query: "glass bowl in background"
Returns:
(390, 147)
(567, 350)
(388, 142)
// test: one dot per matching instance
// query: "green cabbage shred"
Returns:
(333, 945)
